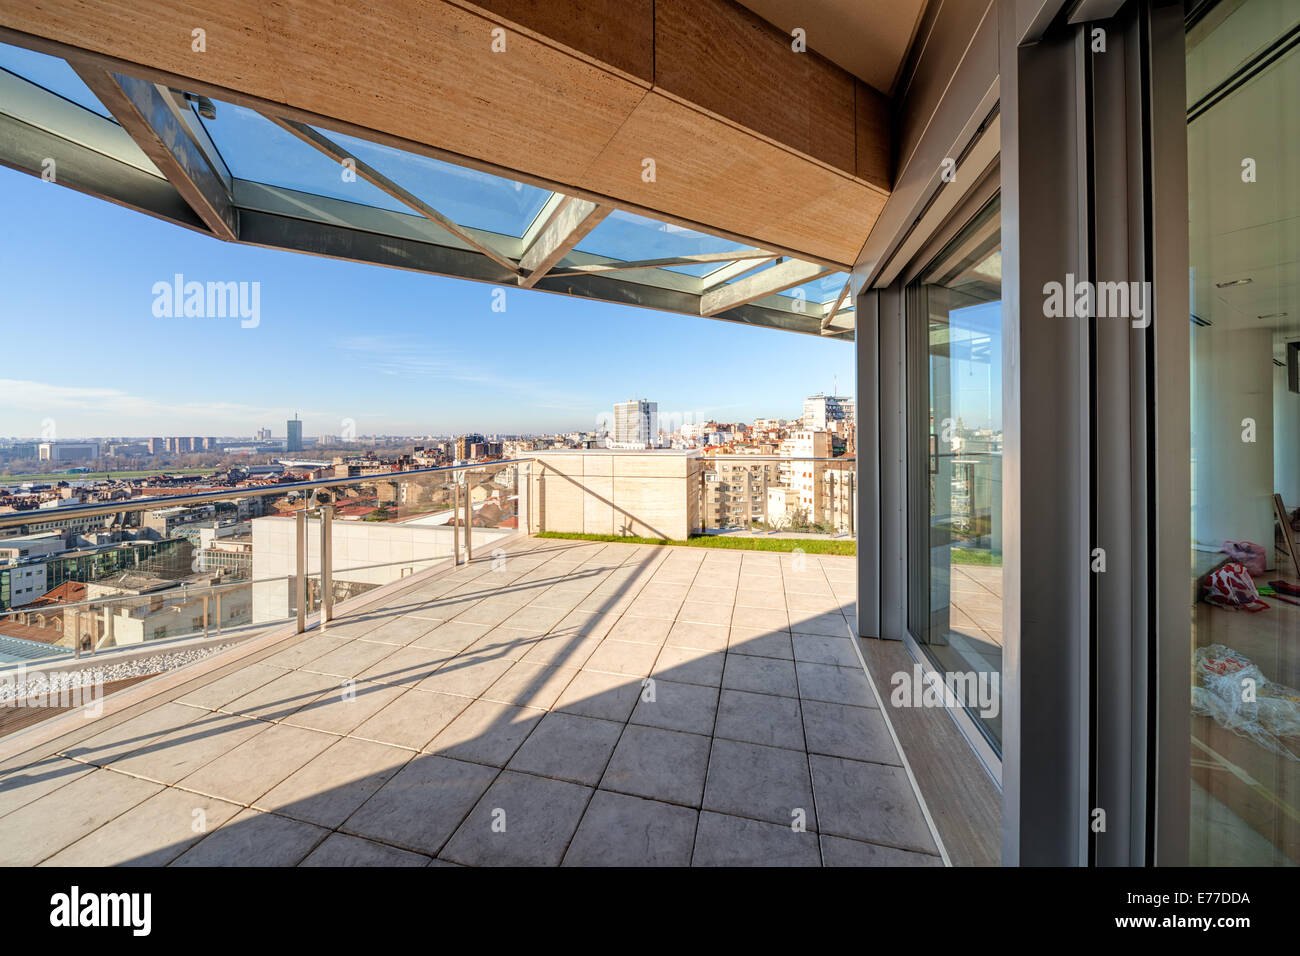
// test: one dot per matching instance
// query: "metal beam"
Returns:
(545, 216)
(612, 289)
(276, 231)
(141, 110)
(340, 212)
(571, 224)
(746, 254)
(830, 313)
(720, 277)
(26, 148)
(377, 179)
(184, 112)
(778, 278)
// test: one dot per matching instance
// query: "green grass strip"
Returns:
(727, 542)
(986, 558)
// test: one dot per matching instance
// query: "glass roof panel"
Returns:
(631, 238)
(825, 289)
(465, 196)
(51, 73)
(256, 149)
(698, 269)
(759, 266)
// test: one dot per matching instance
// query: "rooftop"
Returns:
(600, 703)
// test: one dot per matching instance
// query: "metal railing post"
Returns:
(703, 496)
(300, 539)
(469, 522)
(76, 632)
(326, 563)
(455, 523)
(218, 613)
(852, 500)
(205, 615)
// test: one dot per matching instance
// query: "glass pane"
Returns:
(256, 149)
(1244, 249)
(387, 528)
(630, 238)
(955, 469)
(819, 291)
(51, 73)
(465, 196)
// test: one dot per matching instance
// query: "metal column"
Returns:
(455, 526)
(327, 563)
(469, 521)
(300, 540)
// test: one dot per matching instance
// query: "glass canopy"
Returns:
(52, 74)
(267, 178)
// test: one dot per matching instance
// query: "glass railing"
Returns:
(251, 559)
(778, 496)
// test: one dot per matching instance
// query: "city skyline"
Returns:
(394, 352)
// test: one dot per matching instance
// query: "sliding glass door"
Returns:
(954, 416)
(1243, 139)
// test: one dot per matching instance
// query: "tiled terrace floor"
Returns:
(568, 703)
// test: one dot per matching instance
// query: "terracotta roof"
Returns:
(29, 632)
(66, 593)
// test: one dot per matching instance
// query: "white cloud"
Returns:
(86, 410)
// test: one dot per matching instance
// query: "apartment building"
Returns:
(827, 413)
(735, 493)
(800, 473)
(636, 424)
(465, 445)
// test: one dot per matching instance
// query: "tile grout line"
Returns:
(502, 769)
(651, 570)
(627, 722)
(803, 729)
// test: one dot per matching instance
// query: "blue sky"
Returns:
(976, 387)
(397, 352)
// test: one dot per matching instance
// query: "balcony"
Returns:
(553, 702)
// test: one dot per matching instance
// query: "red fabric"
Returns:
(1232, 586)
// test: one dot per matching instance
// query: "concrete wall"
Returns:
(652, 494)
(1232, 480)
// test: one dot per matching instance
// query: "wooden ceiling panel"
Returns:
(618, 34)
(438, 81)
(751, 139)
(755, 78)
(708, 171)
(159, 33)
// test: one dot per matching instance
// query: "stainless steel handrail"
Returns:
(37, 516)
(324, 513)
(708, 458)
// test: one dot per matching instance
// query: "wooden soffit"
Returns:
(747, 137)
